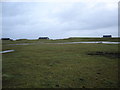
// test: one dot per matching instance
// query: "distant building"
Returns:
(6, 39)
(43, 38)
(107, 36)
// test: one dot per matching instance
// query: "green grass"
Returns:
(59, 66)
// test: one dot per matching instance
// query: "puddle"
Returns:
(111, 42)
(7, 51)
(21, 44)
(103, 42)
(88, 42)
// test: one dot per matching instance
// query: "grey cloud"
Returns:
(89, 18)
(57, 20)
(11, 9)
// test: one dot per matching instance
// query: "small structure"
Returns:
(107, 36)
(43, 38)
(6, 39)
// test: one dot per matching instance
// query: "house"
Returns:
(43, 38)
(6, 39)
(107, 36)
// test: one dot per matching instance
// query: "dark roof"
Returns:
(107, 35)
(6, 39)
(43, 38)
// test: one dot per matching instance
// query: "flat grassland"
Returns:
(60, 65)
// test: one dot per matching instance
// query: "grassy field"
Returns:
(60, 65)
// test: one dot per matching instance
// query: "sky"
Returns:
(57, 20)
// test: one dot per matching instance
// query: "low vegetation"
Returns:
(72, 39)
(60, 65)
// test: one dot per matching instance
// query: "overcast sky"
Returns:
(56, 20)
